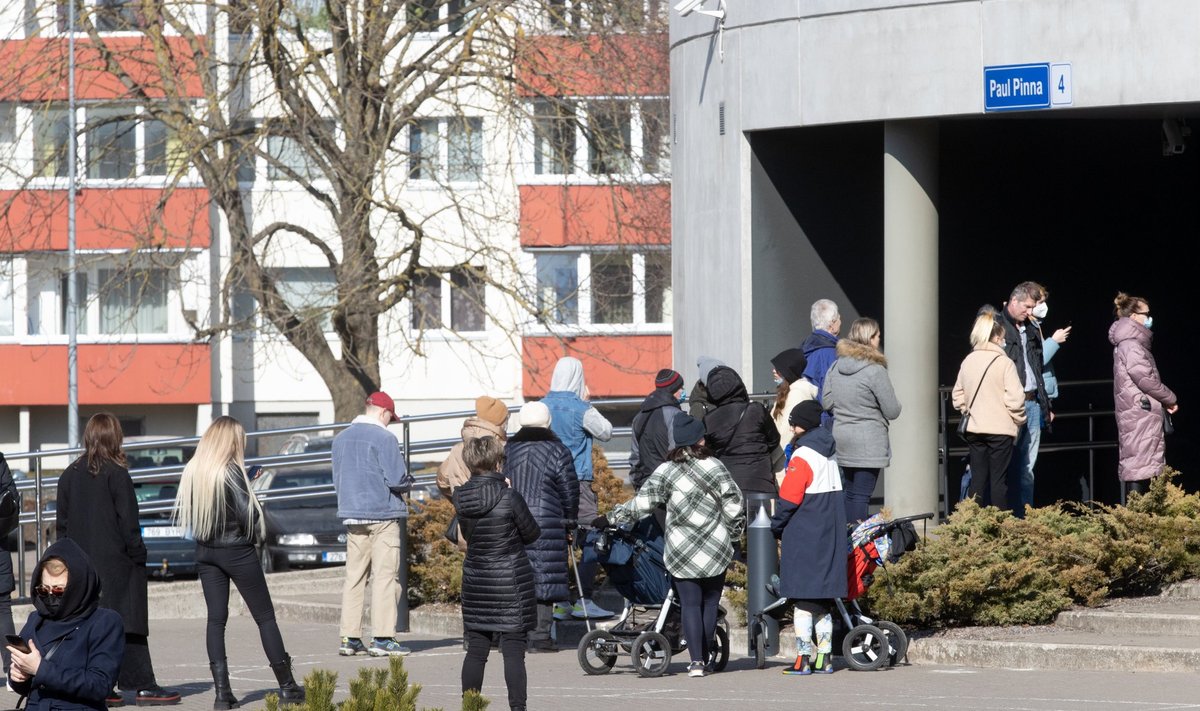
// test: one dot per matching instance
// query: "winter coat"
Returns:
(540, 469)
(497, 580)
(999, 408)
(798, 392)
(859, 393)
(702, 524)
(820, 348)
(100, 513)
(1012, 347)
(453, 472)
(653, 437)
(740, 432)
(1139, 398)
(571, 417)
(698, 402)
(810, 520)
(82, 644)
(7, 582)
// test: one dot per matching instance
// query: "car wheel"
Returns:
(267, 560)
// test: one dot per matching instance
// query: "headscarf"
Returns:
(80, 599)
(568, 376)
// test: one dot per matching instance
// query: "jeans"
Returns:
(989, 456)
(216, 567)
(859, 484)
(699, 599)
(512, 647)
(1025, 451)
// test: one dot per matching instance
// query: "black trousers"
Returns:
(545, 621)
(989, 456)
(6, 624)
(216, 567)
(698, 602)
(137, 671)
(512, 647)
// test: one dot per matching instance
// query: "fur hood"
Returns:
(852, 351)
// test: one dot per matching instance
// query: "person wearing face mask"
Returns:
(651, 427)
(1139, 395)
(988, 393)
(75, 646)
(1050, 345)
(791, 390)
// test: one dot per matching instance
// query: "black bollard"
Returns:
(402, 577)
(762, 561)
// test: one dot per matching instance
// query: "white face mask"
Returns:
(1039, 312)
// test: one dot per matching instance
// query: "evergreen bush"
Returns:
(374, 690)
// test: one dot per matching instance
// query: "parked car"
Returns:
(304, 531)
(168, 551)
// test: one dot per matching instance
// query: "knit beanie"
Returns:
(534, 414)
(687, 430)
(668, 380)
(806, 414)
(790, 364)
(492, 410)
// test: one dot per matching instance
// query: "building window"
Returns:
(657, 287)
(554, 129)
(164, 153)
(423, 15)
(111, 143)
(468, 300)
(119, 16)
(289, 161)
(243, 144)
(81, 301)
(656, 137)
(51, 132)
(8, 122)
(6, 298)
(427, 302)
(558, 287)
(436, 15)
(446, 147)
(133, 301)
(612, 288)
(604, 288)
(609, 127)
(423, 149)
(310, 292)
(465, 149)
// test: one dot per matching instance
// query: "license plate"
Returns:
(162, 532)
(334, 556)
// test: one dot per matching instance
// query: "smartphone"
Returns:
(15, 641)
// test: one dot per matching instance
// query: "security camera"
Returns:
(686, 7)
(1175, 134)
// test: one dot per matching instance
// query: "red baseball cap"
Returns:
(382, 399)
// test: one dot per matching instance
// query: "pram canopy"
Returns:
(633, 560)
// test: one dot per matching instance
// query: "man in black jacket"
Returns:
(1023, 344)
(652, 439)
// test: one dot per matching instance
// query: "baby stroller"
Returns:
(649, 627)
(866, 643)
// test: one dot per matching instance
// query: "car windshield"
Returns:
(276, 483)
(154, 490)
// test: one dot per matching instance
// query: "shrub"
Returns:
(434, 564)
(373, 690)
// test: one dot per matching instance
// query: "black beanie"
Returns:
(668, 380)
(790, 364)
(687, 430)
(806, 414)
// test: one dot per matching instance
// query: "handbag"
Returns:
(962, 424)
(451, 533)
(1168, 424)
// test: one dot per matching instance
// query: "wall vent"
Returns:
(675, 127)
(721, 117)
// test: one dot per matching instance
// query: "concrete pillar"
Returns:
(910, 290)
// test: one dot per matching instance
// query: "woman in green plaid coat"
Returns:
(704, 518)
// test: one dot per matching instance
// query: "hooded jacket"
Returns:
(540, 469)
(699, 403)
(859, 393)
(740, 432)
(653, 437)
(810, 520)
(790, 365)
(571, 417)
(820, 348)
(497, 580)
(453, 472)
(82, 644)
(1139, 398)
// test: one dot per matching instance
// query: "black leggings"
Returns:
(698, 602)
(512, 646)
(216, 567)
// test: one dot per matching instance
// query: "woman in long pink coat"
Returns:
(1138, 393)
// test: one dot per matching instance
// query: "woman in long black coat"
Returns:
(98, 510)
(541, 470)
(497, 580)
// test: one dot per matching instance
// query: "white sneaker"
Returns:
(593, 610)
(696, 669)
(562, 610)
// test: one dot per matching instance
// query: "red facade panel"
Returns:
(118, 218)
(610, 65)
(125, 374)
(35, 69)
(574, 215)
(613, 366)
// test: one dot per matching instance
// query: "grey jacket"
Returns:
(859, 393)
(368, 473)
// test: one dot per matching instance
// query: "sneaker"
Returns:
(593, 610)
(351, 646)
(823, 663)
(386, 647)
(802, 667)
(562, 610)
(696, 669)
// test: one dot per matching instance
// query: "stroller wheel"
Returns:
(758, 635)
(897, 642)
(720, 650)
(651, 654)
(865, 648)
(597, 652)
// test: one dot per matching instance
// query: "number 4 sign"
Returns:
(1060, 85)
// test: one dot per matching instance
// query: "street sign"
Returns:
(1060, 85)
(1012, 87)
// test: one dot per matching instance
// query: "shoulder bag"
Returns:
(962, 424)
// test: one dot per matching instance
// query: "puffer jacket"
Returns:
(542, 471)
(653, 438)
(999, 407)
(497, 580)
(859, 393)
(1139, 398)
(741, 433)
(453, 472)
(240, 524)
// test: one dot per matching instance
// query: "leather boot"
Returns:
(225, 699)
(289, 690)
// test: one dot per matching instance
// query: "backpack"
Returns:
(10, 499)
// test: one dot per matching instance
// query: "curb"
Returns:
(1130, 623)
(1035, 655)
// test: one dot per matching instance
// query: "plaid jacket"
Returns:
(700, 532)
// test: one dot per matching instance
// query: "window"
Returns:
(554, 128)
(657, 287)
(609, 134)
(612, 288)
(428, 15)
(119, 15)
(558, 287)
(465, 149)
(243, 143)
(467, 300)
(423, 149)
(51, 132)
(452, 148)
(133, 301)
(289, 161)
(311, 292)
(163, 152)
(81, 300)
(111, 143)
(427, 302)
(6, 298)
(8, 122)
(656, 137)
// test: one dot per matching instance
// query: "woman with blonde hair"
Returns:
(990, 396)
(217, 507)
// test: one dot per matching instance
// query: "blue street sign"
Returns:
(1016, 86)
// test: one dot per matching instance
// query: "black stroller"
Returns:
(649, 627)
(866, 643)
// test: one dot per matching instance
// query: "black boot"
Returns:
(225, 699)
(289, 690)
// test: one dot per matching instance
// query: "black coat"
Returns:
(541, 469)
(497, 579)
(7, 582)
(741, 433)
(1012, 348)
(652, 435)
(100, 513)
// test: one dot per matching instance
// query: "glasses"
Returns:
(51, 590)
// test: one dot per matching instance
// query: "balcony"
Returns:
(118, 374)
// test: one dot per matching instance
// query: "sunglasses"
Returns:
(51, 590)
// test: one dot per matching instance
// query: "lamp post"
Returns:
(72, 296)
